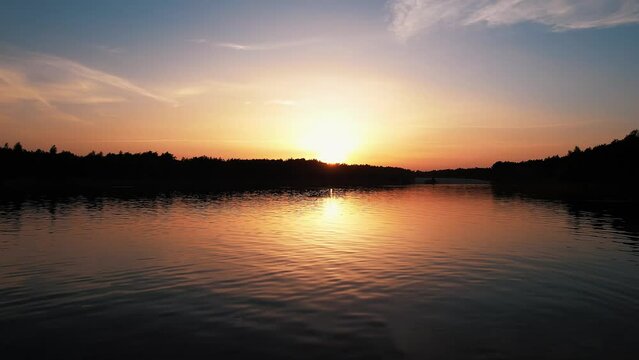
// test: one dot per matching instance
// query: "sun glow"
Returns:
(332, 142)
(332, 147)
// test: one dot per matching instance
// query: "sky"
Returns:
(422, 84)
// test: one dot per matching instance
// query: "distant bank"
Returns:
(449, 181)
(52, 171)
(605, 170)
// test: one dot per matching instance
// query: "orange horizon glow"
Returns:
(348, 83)
(335, 119)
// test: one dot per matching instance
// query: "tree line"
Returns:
(613, 163)
(53, 168)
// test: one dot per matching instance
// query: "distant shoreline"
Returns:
(450, 181)
(609, 171)
(583, 192)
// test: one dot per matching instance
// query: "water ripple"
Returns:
(404, 272)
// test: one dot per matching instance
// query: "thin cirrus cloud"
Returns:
(409, 17)
(258, 46)
(52, 80)
(110, 49)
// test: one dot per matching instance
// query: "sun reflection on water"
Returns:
(332, 207)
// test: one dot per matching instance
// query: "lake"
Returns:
(416, 272)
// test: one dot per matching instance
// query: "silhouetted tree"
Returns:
(150, 169)
(616, 162)
(575, 151)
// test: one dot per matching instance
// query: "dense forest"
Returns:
(607, 172)
(613, 163)
(47, 170)
(616, 163)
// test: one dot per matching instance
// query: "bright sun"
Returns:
(333, 149)
(330, 144)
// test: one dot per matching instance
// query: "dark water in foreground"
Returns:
(417, 272)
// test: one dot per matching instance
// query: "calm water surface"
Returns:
(416, 272)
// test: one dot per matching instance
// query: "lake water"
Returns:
(417, 272)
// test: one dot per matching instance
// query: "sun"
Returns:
(330, 144)
(333, 149)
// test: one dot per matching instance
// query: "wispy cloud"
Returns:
(50, 79)
(408, 17)
(190, 91)
(258, 46)
(198, 41)
(110, 49)
(55, 84)
(14, 87)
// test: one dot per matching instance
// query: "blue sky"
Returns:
(448, 83)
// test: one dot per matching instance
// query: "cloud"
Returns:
(110, 50)
(54, 86)
(190, 91)
(14, 87)
(267, 46)
(184, 91)
(408, 17)
(54, 80)
(256, 46)
(198, 41)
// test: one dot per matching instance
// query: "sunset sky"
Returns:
(422, 84)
